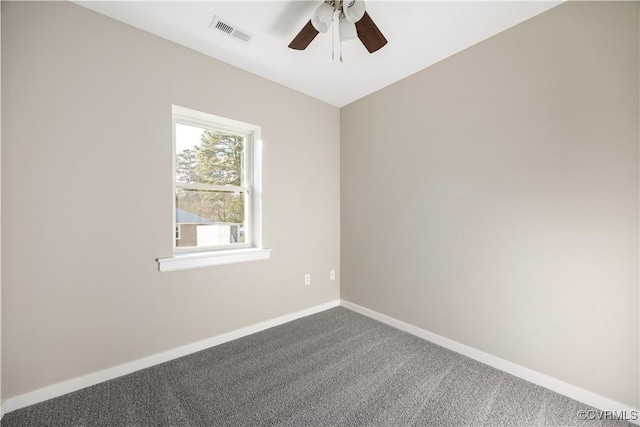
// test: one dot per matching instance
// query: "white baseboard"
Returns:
(1, 410)
(75, 384)
(561, 387)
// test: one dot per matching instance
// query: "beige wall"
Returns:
(493, 198)
(86, 164)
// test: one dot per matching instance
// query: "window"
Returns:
(213, 186)
(217, 203)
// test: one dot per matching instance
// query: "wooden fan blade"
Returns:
(369, 34)
(304, 37)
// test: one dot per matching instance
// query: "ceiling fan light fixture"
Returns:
(353, 10)
(349, 12)
(322, 17)
(347, 30)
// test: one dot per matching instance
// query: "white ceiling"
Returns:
(420, 33)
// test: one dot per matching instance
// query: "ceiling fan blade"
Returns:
(369, 34)
(304, 37)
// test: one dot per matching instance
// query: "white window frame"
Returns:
(251, 249)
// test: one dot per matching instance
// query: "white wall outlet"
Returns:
(307, 279)
(332, 275)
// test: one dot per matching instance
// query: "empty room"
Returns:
(308, 213)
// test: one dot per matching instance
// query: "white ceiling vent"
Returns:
(229, 29)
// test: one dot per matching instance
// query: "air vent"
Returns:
(229, 29)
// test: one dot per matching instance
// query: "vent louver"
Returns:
(231, 30)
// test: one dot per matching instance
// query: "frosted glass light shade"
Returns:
(321, 19)
(353, 10)
(347, 30)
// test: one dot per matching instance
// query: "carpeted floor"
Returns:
(333, 368)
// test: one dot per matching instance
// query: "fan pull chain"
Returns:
(333, 36)
(340, 18)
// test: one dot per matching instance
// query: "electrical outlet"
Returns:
(332, 275)
(307, 279)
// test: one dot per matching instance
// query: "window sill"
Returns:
(208, 259)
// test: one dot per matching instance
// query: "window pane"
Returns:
(209, 218)
(208, 156)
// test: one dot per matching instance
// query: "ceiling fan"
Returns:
(354, 21)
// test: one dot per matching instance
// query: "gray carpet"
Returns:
(333, 368)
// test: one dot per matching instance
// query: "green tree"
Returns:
(220, 158)
(186, 165)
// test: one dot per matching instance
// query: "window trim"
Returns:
(252, 249)
(191, 260)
